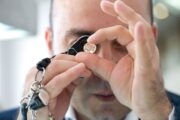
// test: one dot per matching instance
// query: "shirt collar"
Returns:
(70, 115)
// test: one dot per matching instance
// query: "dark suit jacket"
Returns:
(175, 100)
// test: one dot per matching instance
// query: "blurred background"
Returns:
(22, 44)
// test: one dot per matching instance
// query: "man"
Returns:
(122, 80)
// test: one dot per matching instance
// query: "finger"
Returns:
(131, 49)
(123, 66)
(64, 57)
(119, 33)
(57, 67)
(128, 14)
(144, 48)
(121, 77)
(108, 7)
(61, 81)
(59, 63)
(97, 65)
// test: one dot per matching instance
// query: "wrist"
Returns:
(160, 112)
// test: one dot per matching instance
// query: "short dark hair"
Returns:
(52, 7)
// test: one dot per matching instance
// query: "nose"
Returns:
(105, 51)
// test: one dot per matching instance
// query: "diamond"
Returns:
(89, 48)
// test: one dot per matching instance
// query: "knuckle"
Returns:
(120, 28)
(101, 31)
(53, 64)
(64, 57)
(58, 57)
(57, 64)
(49, 70)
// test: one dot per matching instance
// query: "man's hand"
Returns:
(60, 81)
(136, 79)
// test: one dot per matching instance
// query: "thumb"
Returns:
(99, 66)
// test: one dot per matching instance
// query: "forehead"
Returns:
(86, 14)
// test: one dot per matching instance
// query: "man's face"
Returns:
(93, 98)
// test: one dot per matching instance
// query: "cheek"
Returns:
(82, 94)
(83, 102)
(58, 46)
(79, 99)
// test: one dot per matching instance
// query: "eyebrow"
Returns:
(75, 32)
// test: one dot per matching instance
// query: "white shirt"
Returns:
(70, 115)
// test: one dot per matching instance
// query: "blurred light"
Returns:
(7, 32)
(174, 3)
(161, 11)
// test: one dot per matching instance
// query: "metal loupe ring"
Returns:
(82, 46)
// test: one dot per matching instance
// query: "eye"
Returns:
(77, 45)
(119, 47)
(79, 41)
(72, 42)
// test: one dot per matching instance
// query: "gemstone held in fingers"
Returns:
(90, 48)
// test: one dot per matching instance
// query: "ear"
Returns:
(155, 30)
(48, 38)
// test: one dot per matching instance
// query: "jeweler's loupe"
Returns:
(81, 46)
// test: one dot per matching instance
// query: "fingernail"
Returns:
(119, 5)
(140, 26)
(44, 96)
(90, 39)
(81, 65)
(106, 4)
(107, 1)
